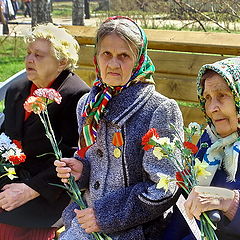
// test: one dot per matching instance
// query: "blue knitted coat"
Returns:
(122, 190)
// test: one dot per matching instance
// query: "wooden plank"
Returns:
(179, 87)
(201, 42)
(165, 62)
(181, 63)
(192, 115)
(87, 74)
(83, 34)
(170, 85)
(183, 41)
(86, 56)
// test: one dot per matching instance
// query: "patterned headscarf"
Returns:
(224, 151)
(142, 72)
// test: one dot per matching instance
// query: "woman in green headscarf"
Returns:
(119, 177)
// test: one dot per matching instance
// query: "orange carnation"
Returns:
(35, 104)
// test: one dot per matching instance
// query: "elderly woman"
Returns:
(30, 207)
(219, 92)
(119, 178)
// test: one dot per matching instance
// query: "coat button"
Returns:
(100, 153)
(96, 185)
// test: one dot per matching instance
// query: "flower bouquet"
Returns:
(38, 104)
(10, 155)
(189, 167)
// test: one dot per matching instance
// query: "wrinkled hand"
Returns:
(16, 194)
(87, 219)
(203, 199)
(68, 166)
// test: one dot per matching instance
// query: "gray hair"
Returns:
(124, 28)
(64, 45)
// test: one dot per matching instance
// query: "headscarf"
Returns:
(224, 151)
(142, 72)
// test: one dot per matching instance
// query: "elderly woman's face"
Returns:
(116, 60)
(41, 66)
(220, 105)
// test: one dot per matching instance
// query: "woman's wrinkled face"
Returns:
(41, 66)
(220, 106)
(116, 59)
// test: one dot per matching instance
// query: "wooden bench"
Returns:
(177, 56)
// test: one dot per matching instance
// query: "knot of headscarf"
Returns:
(95, 108)
(223, 152)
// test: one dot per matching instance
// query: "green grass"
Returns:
(62, 9)
(12, 53)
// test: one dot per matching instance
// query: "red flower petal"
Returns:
(17, 159)
(146, 138)
(17, 143)
(179, 177)
(191, 146)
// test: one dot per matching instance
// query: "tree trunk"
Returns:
(86, 9)
(78, 12)
(41, 12)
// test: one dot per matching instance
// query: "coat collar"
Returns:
(128, 102)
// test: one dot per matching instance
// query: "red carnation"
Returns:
(179, 177)
(147, 137)
(17, 143)
(191, 146)
(17, 159)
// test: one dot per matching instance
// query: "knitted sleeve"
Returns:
(231, 212)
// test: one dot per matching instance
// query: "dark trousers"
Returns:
(5, 25)
(27, 9)
(15, 7)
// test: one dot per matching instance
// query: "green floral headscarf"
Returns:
(224, 151)
(229, 70)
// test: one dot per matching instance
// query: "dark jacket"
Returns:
(227, 230)
(38, 169)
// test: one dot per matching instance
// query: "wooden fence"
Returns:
(177, 56)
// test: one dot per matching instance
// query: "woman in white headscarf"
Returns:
(219, 96)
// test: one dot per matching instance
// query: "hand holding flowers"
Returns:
(190, 168)
(38, 104)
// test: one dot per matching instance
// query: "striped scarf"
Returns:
(95, 108)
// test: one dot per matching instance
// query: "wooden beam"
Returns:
(183, 41)
(170, 85)
(165, 62)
